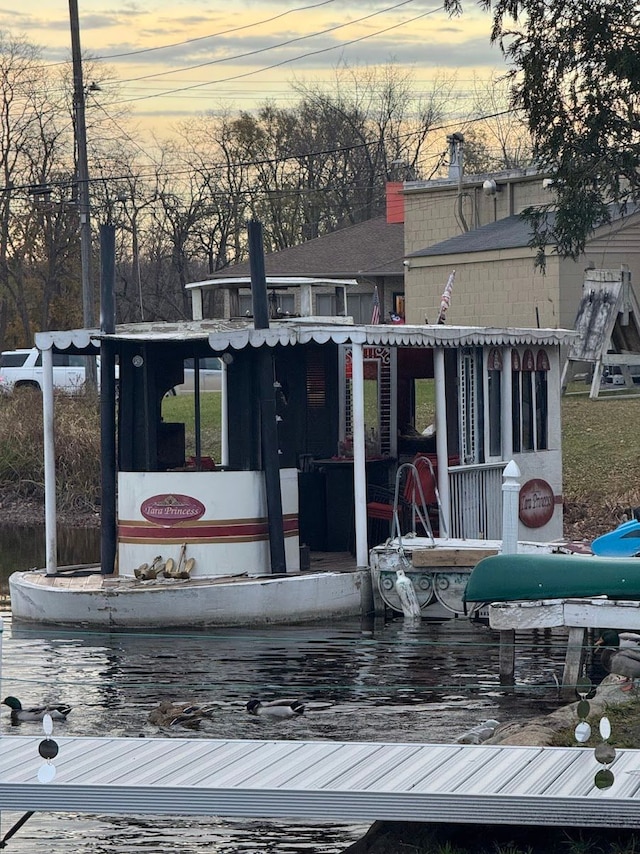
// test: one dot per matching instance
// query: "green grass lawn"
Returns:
(180, 408)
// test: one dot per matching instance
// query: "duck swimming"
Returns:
(168, 714)
(276, 708)
(58, 711)
(619, 660)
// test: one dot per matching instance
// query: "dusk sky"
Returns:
(208, 56)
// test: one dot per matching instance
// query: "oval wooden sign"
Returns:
(537, 502)
(172, 508)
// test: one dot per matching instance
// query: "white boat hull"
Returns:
(96, 601)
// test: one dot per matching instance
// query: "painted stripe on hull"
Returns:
(236, 531)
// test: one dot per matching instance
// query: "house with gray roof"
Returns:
(371, 253)
(473, 226)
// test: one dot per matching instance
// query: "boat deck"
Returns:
(89, 577)
(347, 781)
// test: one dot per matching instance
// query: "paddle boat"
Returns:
(623, 541)
(277, 530)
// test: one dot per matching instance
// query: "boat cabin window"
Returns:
(471, 406)
(358, 306)
(280, 304)
(530, 404)
(494, 373)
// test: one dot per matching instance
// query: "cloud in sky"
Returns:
(191, 34)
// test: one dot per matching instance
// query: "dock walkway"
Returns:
(323, 780)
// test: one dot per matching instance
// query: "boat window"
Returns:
(542, 400)
(515, 400)
(471, 404)
(279, 304)
(530, 404)
(494, 367)
(424, 395)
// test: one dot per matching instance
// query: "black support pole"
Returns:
(107, 401)
(268, 421)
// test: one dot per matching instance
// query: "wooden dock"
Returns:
(346, 781)
(578, 615)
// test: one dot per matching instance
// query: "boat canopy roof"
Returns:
(238, 334)
(277, 282)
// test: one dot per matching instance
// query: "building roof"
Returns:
(511, 232)
(371, 248)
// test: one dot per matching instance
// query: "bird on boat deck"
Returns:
(168, 714)
(620, 655)
(58, 711)
(276, 708)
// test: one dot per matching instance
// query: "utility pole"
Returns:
(83, 182)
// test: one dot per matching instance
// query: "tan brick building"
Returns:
(473, 226)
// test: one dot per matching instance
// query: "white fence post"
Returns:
(510, 503)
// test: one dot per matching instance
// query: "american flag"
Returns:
(445, 299)
(375, 310)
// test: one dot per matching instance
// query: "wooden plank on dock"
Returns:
(426, 558)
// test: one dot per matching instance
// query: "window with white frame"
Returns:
(530, 409)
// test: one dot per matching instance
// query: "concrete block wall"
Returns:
(431, 206)
(497, 289)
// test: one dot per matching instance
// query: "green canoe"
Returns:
(521, 577)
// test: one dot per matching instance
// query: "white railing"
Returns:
(476, 501)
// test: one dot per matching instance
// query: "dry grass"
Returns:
(77, 448)
(601, 459)
(600, 446)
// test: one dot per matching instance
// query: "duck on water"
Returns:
(57, 711)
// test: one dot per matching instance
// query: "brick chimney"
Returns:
(395, 201)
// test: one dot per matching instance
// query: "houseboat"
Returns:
(318, 415)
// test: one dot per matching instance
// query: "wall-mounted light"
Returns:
(490, 188)
(227, 358)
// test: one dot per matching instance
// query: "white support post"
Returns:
(224, 416)
(306, 301)
(51, 543)
(441, 439)
(510, 506)
(196, 304)
(359, 464)
(507, 405)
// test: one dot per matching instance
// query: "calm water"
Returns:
(384, 682)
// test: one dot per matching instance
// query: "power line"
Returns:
(284, 61)
(266, 49)
(200, 38)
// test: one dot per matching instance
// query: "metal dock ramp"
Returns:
(323, 780)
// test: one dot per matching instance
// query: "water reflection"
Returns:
(386, 682)
(23, 547)
(382, 681)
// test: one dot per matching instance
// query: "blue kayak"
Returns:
(624, 541)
